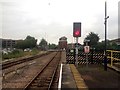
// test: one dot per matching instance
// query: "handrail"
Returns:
(112, 51)
(111, 56)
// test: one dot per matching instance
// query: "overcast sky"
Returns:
(52, 19)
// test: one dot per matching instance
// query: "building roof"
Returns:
(117, 41)
(63, 38)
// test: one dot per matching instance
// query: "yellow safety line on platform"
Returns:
(78, 79)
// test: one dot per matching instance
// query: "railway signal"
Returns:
(76, 34)
(77, 29)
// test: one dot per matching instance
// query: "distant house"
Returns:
(8, 43)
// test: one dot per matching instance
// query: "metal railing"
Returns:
(114, 56)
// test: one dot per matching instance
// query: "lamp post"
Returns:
(105, 57)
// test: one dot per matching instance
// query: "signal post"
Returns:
(76, 34)
(86, 50)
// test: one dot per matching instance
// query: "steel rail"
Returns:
(44, 67)
(54, 73)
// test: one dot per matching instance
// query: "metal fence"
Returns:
(94, 57)
(113, 57)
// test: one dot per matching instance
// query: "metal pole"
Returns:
(105, 58)
(76, 51)
(86, 56)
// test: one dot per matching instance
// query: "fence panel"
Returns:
(94, 57)
(114, 57)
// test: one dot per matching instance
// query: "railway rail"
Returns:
(46, 76)
(10, 64)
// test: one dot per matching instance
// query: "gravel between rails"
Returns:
(20, 78)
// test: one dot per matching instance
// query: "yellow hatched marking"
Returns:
(78, 79)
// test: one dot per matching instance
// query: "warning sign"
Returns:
(86, 49)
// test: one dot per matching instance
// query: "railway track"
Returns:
(46, 76)
(10, 64)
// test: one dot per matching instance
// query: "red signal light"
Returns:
(77, 33)
(77, 29)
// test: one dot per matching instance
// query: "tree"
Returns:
(94, 39)
(100, 46)
(20, 45)
(110, 45)
(43, 44)
(29, 42)
(52, 46)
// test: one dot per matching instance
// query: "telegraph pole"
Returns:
(106, 17)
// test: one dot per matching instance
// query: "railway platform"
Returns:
(71, 79)
(67, 78)
(89, 77)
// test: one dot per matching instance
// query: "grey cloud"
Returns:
(16, 24)
(112, 26)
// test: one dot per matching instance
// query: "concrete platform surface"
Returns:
(68, 81)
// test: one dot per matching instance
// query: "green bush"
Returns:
(13, 54)
(35, 51)
(19, 53)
